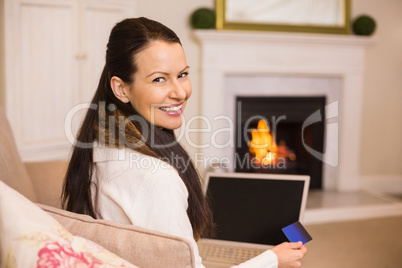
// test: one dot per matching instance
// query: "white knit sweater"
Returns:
(144, 191)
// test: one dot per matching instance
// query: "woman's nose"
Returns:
(178, 91)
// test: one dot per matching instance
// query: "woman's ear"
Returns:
(119, 89)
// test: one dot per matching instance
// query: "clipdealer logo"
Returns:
(330, 156)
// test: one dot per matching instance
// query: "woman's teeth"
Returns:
(171, 109)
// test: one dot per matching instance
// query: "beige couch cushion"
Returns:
(13, 171)
(142, 247)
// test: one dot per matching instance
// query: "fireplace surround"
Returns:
(237, 63)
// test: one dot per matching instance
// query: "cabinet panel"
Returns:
(46, 66)
(54, 53)
(98, 22)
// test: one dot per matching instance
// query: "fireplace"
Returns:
(291, 100)
(271, 137)
(238, 63)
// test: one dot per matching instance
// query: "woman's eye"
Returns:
(183, 74)
(159, 80)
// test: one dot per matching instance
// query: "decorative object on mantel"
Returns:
(203, 18)
(312, 16)
(364, 25)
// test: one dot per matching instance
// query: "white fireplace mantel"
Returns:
(231, 53)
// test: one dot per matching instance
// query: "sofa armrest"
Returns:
(139, 246)
(47, 179)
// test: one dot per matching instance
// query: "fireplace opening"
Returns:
(271, 137)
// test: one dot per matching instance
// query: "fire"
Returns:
(262, 144)
(264, 147)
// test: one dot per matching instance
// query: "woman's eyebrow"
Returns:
(187, 67)
(157, 72)
(165, 73)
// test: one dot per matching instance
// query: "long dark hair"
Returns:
(126, 40)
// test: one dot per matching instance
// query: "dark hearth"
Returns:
(274, 125)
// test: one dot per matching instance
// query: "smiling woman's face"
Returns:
(161, 85)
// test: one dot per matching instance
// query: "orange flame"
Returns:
(262, 144)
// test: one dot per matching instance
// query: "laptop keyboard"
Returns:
(227, 253)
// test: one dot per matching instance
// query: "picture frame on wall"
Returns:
(310, 16)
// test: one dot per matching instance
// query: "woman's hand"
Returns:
(289, 255)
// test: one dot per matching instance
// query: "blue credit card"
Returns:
(296, 232)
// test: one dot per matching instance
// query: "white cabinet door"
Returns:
(40, 80)
(97, 20)
(54, 53)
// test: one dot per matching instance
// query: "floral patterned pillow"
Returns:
(32, 238)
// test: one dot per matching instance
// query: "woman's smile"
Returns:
(173, 110)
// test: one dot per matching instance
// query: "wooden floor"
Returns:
(372, 243)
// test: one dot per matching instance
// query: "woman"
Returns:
(136, 172)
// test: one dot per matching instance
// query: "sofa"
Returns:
(31, 193)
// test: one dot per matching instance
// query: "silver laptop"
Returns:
(250, 210)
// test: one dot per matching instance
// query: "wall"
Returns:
(2, 90)
(381, 142)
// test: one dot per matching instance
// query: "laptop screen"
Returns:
(254, 208)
